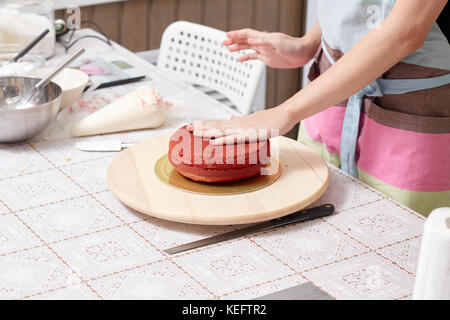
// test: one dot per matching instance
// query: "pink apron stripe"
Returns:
(326, 127)
(405, 159)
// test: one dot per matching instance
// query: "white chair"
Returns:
(194, 53)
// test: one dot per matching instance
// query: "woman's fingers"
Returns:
(239, 137)
(199, 127)
(243, 36)
(229, 133)
(252, 42)
(229, 42)
(243, 33)
(224, 140)
(215, 133)
(239, 47)
(250, 56)
(257, 42)
(214, 129)
(209, 134)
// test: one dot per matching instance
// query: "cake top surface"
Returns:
(185, 148)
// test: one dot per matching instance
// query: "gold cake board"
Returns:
(167, 174)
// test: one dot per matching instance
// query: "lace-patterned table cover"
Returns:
(63, 235)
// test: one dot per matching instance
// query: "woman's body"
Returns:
(403, 142)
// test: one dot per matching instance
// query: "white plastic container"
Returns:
(433, 270)
(23, 20)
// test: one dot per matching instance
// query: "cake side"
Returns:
(197, 159)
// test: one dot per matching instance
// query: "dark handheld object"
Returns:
(299, 216)
(30, 46)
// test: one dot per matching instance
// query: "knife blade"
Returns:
(103, 146)
(299, 216)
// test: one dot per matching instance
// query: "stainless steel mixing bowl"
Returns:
(21, 124)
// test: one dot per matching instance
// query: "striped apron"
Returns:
(394, 134)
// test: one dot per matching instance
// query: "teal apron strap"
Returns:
(350, 127)
(401, 86)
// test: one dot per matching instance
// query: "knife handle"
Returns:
(304, 215)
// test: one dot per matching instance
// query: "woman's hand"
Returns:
(256, 126)
(276, 50)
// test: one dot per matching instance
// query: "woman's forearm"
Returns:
(374, 54)
(311, 39)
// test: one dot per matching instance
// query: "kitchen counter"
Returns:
(64, 235)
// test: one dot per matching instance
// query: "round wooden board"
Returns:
(131, 177)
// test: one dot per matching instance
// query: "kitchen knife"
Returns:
(103, 146)
(299, 216)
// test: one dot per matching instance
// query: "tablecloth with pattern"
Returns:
(63, 235)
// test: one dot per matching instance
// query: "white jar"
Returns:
(23, 20)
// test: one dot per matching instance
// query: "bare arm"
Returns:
(401, 33)
(312, 37)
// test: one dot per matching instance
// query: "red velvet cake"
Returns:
(195, 158)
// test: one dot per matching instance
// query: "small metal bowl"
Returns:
(21, 124)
